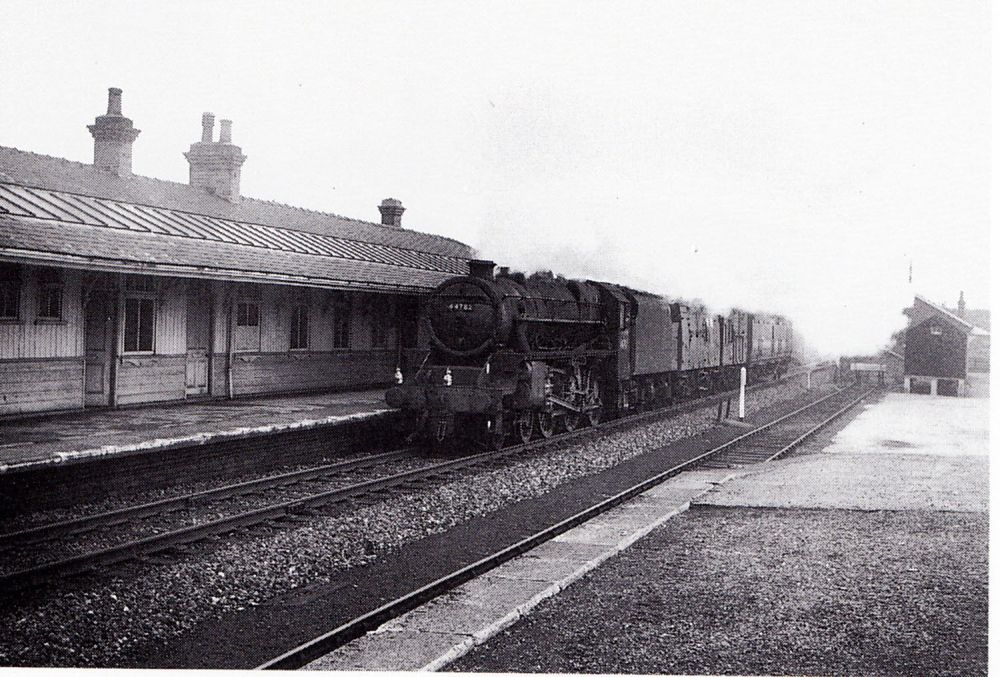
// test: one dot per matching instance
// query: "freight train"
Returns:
(516, 357)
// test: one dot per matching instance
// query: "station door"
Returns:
(199, 336)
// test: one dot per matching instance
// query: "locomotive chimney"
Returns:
(482, 269)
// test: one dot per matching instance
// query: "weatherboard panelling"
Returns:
(154, 378)
(34, 385)
(283, 372)
(28, 337)
(40, 385)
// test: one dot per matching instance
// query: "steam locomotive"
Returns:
(512, 357)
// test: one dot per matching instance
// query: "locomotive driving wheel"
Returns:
(546, 424)
(570, 421)
(524, 425)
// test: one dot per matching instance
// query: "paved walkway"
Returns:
(907, 453)
(35, 442)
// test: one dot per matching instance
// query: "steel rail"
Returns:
(14, 539)
(18, 580)
(809, 433)
(768, 426)
(23, 578)
(355, 628)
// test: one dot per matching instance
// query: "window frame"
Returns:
(13, 286)
(240, 305)
(238, 328)
(51, 285)
(140, 300)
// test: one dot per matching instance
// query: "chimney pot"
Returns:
(392, 212)
(215, 167)
(114, 101)
(207, 127)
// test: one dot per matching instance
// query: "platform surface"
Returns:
(40, 441)
(886, 521)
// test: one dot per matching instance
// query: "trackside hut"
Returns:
(944, 352)
(118, 289)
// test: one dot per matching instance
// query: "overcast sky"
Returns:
(790, 156)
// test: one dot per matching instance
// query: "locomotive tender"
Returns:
(512, 356)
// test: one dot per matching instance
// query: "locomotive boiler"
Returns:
(515, 356)
(508, 355)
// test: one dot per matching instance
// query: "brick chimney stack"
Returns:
(392, 212)
(961, 304)
(113, 137)
(215, 166)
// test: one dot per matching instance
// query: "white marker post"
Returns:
(743, 391)
(809, 380)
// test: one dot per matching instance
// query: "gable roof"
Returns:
(58, 210)
(965, 326)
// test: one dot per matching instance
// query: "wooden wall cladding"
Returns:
(40, 385)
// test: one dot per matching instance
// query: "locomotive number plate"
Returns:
(464, 307)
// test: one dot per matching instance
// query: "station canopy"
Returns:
(58, 212)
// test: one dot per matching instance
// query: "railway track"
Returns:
(13, 545)
(781, 436)
(767, 442)
(276, 513)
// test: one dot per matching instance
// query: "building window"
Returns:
(140, 320)
(50, 294)
(300, 328)
(246, 337)
(247, 315)
(342, 326)
(10, 291)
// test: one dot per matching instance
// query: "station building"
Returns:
(117, 289)
(947, 351)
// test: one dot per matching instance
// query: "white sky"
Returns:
(790, 156)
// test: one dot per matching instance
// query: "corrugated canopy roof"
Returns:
(67, 212)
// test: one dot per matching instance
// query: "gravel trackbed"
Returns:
(770, 591)
(194, 611)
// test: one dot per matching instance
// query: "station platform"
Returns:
(59, 439)
(866, 553)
